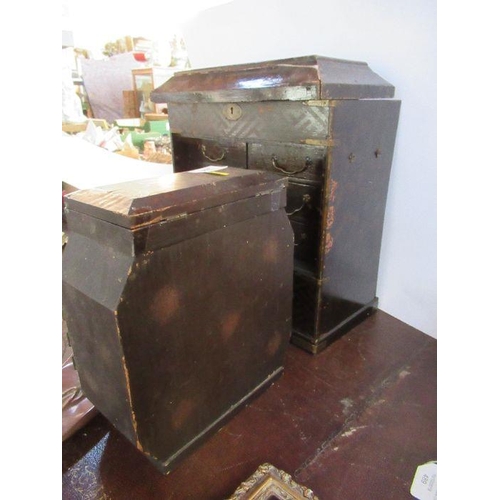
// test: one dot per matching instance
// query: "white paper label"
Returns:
(209, 168)
(424, 486)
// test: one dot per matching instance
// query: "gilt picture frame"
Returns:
(270, 483)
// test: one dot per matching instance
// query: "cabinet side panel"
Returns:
(91, 278)
(204, 322)
(360, 164)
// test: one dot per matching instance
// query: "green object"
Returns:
(157, 126)
(138, 138)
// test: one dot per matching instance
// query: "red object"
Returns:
(140, 56)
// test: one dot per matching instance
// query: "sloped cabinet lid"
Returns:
(144, 202)
(294, 79)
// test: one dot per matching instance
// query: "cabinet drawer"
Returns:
(283, 121)
(196, 153)
(306, 243)
(294, 160)
(304, 202)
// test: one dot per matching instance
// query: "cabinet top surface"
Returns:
(296, 79)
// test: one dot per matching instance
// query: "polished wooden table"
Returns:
(352, 422)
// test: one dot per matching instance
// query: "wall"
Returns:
(398, 41)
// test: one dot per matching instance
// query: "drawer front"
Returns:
(306, 243)
(251, 121)
(293, 160)
(196, 153)
(304, 202)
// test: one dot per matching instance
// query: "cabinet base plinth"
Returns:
(166, 466)
(316, 345)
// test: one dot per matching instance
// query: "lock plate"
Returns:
(232, 111)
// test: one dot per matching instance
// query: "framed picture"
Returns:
(270, 483)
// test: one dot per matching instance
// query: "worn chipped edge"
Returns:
(127, 386)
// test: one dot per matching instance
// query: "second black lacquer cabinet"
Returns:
(329, 125)
(177, 293)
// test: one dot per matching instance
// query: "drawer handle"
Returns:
(306, 200)
(274, 161)
(205, 154)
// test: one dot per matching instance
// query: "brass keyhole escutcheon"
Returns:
(232, 111)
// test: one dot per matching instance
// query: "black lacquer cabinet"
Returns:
(177, 318)
(329, 126)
